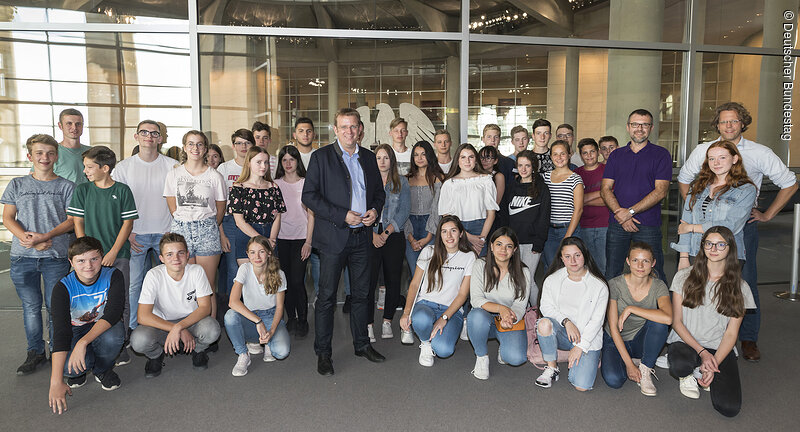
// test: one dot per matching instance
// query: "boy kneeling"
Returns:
(86, 308)
(174, 309)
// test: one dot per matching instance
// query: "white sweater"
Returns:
(592, 310)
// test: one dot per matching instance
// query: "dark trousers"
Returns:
(102, 352)
(618, 241)
(646, 345)
(355, 256)
(752, 319)
(726, 388)
(390, 257)
(296, 303)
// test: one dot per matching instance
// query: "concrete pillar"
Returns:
(572, 70)
(634, 77)
(452, 82)
(333, 99)
(12, 145)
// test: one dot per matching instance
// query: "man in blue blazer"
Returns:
(343, 188)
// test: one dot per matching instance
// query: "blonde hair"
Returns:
(253, 152)
(270, 274)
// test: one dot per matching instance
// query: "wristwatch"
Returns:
(631, 211)
(564, 322)
(445, 317)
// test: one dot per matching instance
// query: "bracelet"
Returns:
(260, 322)
(564, 322)
(701, 351)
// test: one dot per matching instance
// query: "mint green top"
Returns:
(70, 164)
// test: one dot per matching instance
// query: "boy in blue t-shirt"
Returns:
(88, 331)
(35, 212)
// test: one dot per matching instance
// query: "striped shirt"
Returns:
(562, 203)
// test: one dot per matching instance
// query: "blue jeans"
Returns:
(314, 261)
(752, 319)
(595, 239)
(140, 264)
(242, 239)
(231, 266)
(581, 375)
(618, 241)
(554, 236)
(241, 330)
(27, 275)
(418, 223)
(481, 328)
(646, 345)
(425, 315)
(475, 227)
(101, 353)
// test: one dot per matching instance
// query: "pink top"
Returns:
(294, 221)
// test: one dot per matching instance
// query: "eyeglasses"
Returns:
(729, 122)
(640, 125)
(488, 157)
(146, 133)
(721, 246)
(242, 143)
(198, 145)
(564, 136)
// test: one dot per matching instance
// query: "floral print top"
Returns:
(256, 205)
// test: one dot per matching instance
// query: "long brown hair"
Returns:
(394, 177)
(270, 272)
(440, 252)
(433, 171)
(736, 177)
(727, 290)
(456, 170)
(536, 179)
(253, 152)
(491, 271)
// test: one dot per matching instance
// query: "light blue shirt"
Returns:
(358, 187)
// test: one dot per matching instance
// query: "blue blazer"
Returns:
(327, 193)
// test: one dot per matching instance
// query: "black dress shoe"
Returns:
(346, 307)
(324, 365)
(370, 354)
(291, 325)
(301, 329)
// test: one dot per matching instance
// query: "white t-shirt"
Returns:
(306, 157)
(446, 166)
(457, 266)
(403, 161)
(469, 198)
(253, 295)
(230, 171)
(195, 196)
(570, 296)
(146, 181)
(171, 299)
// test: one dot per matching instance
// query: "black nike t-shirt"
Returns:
(529, 217)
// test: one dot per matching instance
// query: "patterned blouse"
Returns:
(256, 205)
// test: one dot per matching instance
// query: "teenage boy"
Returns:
(566, 132)
(105, 209)
(35, 212)
(607, 145)
(541, 144)
(174, 309)
(144, 173)
(398, 131)
(594, 220)
(520, 138)
(304, 138)
(442, 143)
(88, 330)
(70, 160)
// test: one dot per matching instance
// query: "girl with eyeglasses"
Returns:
(721, 194)
(709, 300)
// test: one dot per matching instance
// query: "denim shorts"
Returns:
(201, 236)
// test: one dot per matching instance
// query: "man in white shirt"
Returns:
(731, 119)
(442, 143)
(304, 138)
(398, 130)
(174, 309)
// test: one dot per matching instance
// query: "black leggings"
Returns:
(726, 388)
(390, 257)
(294, 268)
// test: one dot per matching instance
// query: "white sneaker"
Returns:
(646, 384)
(689, 387)
(464, 336)
(386, 330)
(426, 354)
(254, 348)
(696, 373)
(371, 333)
(662, 362)
(481, 370)
(500, 358)
(240, 369)
(406, 337)
(268, 357)
(548, 376)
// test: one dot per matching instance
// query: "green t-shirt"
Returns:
(103, 211)
(70, 164)
(618, 290)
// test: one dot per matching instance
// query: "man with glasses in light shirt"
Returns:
(731, 120)
(566, 132)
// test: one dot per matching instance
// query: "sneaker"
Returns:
(123, 358)
(302, 329)
(696, 373)
(109, 381)
(464, 336)
(242, 363)
(481, 369)
(268, 357)
(153, 367)
(31, 361)
(662, 362)
(386, 330)
(426, 354)
(254, 348)
(199, 360)
(291, 325)
(371, 333)
(646, 384)
(213, 347)
(406, 337)
(347, 305)
(548, 376)
(689, 387)
(75, 382)
(500, 358)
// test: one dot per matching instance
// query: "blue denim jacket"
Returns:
(731, 210)
(397, 206)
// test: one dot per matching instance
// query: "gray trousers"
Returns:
(150, 340)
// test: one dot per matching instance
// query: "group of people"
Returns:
(234, 239)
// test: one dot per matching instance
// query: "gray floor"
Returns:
(396, 395)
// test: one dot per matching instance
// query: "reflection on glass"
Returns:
(97, 11)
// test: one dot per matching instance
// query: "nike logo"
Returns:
(519, 204)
